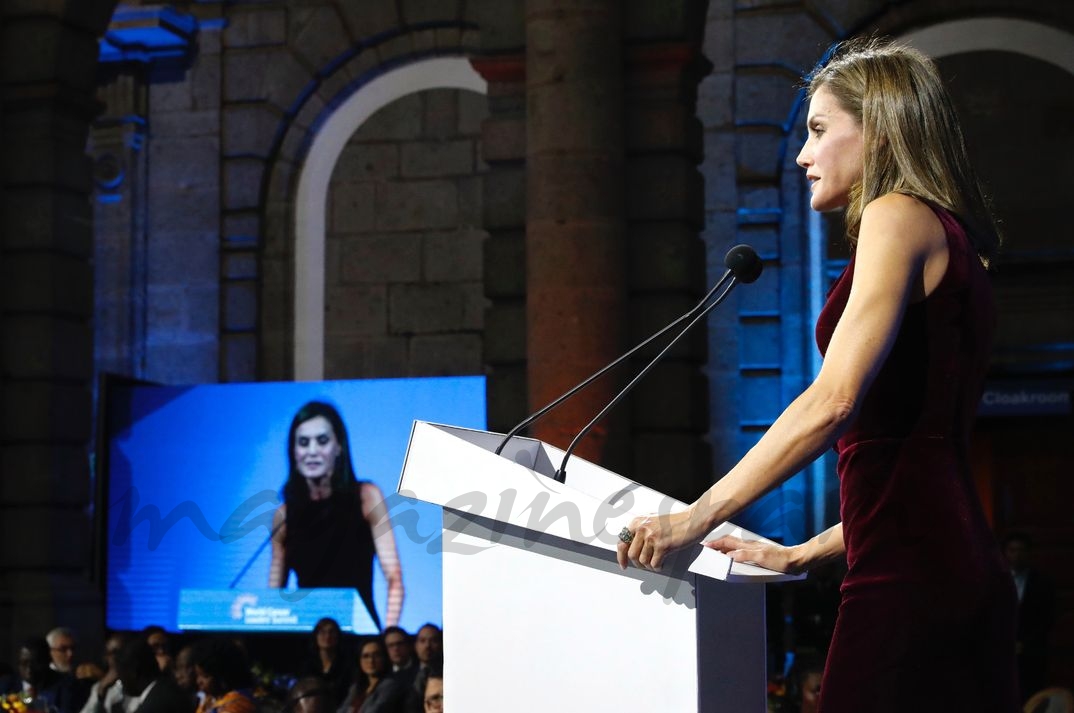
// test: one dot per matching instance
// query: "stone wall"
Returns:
(403, 273)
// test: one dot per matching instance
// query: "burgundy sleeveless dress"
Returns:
(927, 616)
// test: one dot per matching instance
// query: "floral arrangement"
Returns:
(269, 687)
(16, 703)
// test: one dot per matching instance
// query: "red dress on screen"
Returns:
(926, 621)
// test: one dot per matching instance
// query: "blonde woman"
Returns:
(926, 621)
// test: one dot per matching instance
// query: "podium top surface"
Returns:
(457, 468)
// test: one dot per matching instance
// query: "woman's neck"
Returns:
(320, 488)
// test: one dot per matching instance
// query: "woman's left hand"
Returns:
(648, 540)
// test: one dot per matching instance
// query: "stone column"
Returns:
(502, 63)
(665, 200)
(46, 304)
(116, 143)
(575, 254)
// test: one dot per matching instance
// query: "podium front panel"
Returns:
(538, 625)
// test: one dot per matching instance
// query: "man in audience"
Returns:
(400, 649)
(147, 687)
(61, 644)
(107, 691)
(36, 679)
(183, 671)
(434, 692)
(1036, 606)
(157, 638)
(429, 650)
(404, 663)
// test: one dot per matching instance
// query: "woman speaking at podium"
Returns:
(926, 621)
(331, 525)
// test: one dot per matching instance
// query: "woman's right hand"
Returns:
(769, 555)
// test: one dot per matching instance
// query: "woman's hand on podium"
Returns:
(770, 555)
(828, 546)
(647, 540)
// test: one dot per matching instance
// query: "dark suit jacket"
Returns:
(1035, 613)
(406, 675)
(167, 697)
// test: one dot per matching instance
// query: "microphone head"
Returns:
(743, 262)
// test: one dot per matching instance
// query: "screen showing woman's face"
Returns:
(316, 448)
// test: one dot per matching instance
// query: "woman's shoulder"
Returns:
(369, 494)
(906, 220)
(388, 689)
(901, 209)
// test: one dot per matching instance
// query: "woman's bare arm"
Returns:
(901, 256)
(277, 577)
(376, 514)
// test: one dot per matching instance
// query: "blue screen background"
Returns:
(198, 458)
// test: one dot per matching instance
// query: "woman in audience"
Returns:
(329, 661)
(374, 689)
(223, 676)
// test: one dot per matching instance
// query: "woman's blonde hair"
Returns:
(912, 140)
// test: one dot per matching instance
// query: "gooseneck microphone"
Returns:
(743, 265)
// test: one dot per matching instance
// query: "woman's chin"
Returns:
(827, 204)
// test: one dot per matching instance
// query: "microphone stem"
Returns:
(561, 474)
(257, 554)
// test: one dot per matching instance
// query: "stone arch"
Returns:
(312, 185)
(1003, 34)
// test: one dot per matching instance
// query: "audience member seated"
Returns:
(147, 687)
(330, 661)
(60, 692)
(107, 691)
(223, 676)
(400, 647)
(157, 638)
(309, 695)
(429, 650)
(374, 689)
(807, 676)
(434, 692)
(405, 666)
(183, 671)
(61, 644)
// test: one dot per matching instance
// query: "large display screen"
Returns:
(195, 484)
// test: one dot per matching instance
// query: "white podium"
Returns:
(537, 614)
